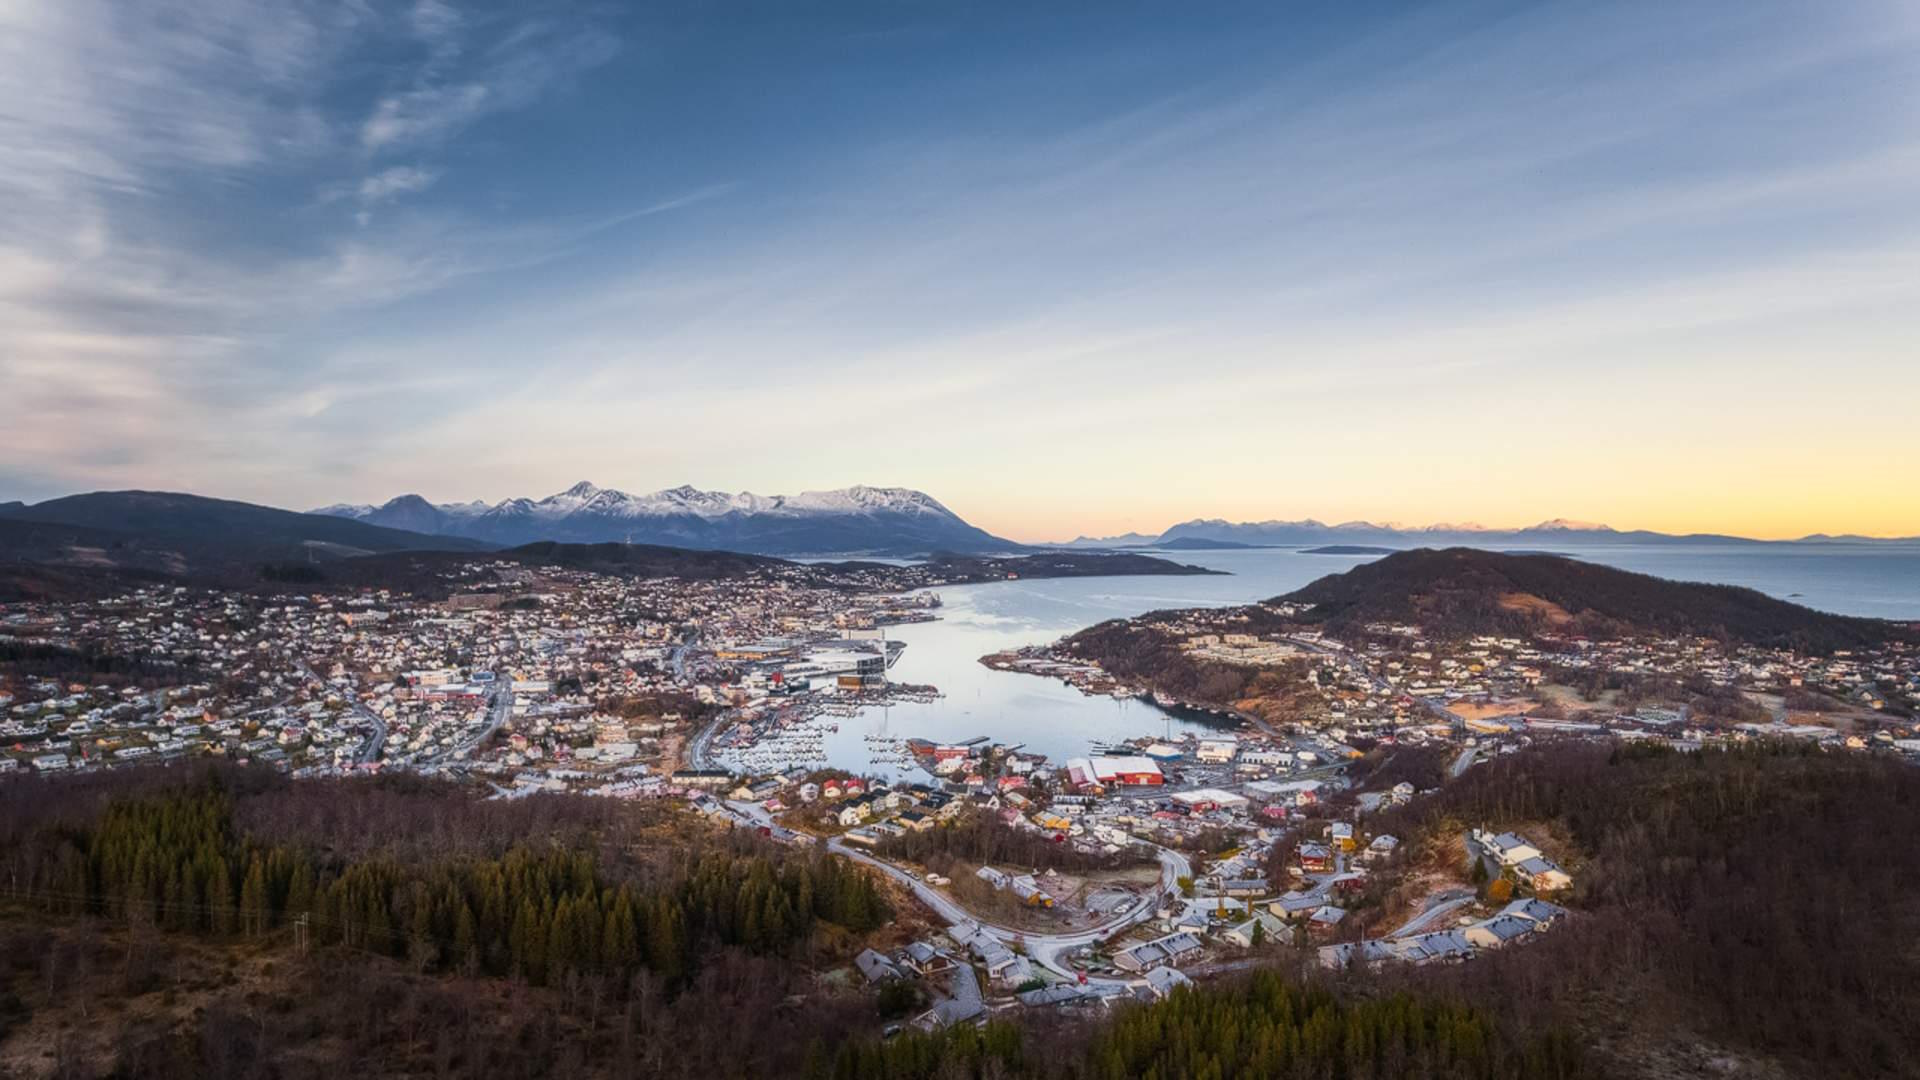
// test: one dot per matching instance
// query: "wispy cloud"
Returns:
(532, 59)
(427, 112)
(396, 181)
(145, 150)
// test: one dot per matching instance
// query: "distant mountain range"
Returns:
(866, 520)
(1309, 532)
(100, 543)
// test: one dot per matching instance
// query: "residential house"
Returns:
(1030, 892)
(925, 959)
(1539, 911)
(1270, 931)
(1355, 953)
(876, 966)
(1543, 874)
(1510, 848)
(1325, 920)
(1435, 947)
(1383, 847)
(963, 1004)
(1295, 905)
(1054, 995)
(1172, 949)
(1499, 930)
(1159, 982)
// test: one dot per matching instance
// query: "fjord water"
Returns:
(1051, 718)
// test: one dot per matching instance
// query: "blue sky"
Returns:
(1070, 268)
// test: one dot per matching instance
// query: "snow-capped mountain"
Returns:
(1564, 525)
(857, 519)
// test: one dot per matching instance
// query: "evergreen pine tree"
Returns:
(253, 900)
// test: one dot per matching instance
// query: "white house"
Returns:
(1544, 874)
(1510, 848)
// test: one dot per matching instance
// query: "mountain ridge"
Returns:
(207, 523)
(861, 518)
(1558, 530)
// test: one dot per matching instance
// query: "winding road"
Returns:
(1044, 949)
(1442, 903)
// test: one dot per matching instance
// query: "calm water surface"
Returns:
(1052, 718)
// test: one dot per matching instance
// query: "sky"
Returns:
(1070, 268)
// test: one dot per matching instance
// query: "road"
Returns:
(678, 661)
(1440, 904)
(499, 709)
(369, 750)
(700, 747)
(1043, 949)
(752, 813)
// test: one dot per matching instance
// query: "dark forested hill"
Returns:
(1736, 913)
(420, 571)
(1460, 591)
(1743, 912)
(52, 562)
(204, 529)
(1054, 564)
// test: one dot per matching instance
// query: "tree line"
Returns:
(979, 837)
(175, 861)
(1266, 1025)
(1760, 896)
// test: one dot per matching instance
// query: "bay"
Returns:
(1046, 716)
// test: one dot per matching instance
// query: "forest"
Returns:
(977, 837)
(177, 860)
(1759, 900)
(1738, 911)
(39, 660)
(1265, 1025)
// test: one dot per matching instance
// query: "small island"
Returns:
(1348, 549)
(965, 569)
